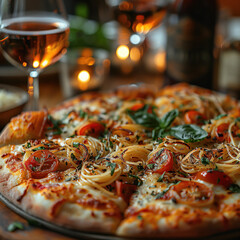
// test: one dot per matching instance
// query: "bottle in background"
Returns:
(190, 41)
(228, 71)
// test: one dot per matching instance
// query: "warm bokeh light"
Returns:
(24, 64)
(44, 63)
(86, 61)
(160, 61)
(139, 28)
(135, 54)
(83, 76)
(122, 52)
(36, 64)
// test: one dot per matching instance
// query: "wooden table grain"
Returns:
(30, 232)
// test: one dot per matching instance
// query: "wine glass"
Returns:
(139, 16)
(34, 34)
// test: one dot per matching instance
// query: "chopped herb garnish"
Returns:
(234, 188)
(28, 145)
(111, 144)
(140, 167)
(205, 161)
(76, 144)
(14, 226)
(73, 157)
(139, 217)
(237, 119)
(151, 165)
(56, 125)
(37, 159)
(160, 179)
(82, 114)
(138, 181)
(72, 136)
(98, 156)
(112, 165)
(216, 168)
(220, 116)
(183, 173)
(161, 194)
(138, 137)
(39, 148)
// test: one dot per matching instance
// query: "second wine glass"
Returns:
(33, 36)
(139, 16)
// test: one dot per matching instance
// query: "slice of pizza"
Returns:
(187, 191)
(44, 178)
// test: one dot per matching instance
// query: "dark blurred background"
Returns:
(93, 27)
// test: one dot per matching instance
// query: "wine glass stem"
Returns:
(33, 91)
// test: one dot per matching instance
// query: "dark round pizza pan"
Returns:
(229, 235)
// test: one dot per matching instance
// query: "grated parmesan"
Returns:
(8, 99)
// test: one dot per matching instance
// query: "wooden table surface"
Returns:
(51, 94)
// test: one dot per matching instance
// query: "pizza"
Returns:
(134, 162)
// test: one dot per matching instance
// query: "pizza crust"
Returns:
(28, 125)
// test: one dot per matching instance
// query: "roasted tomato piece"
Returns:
(222, 132)
(41, 163)
(93, 129)
(162, 161)
(214, 177)
(194, 117)
(191, 193)
(125, 190)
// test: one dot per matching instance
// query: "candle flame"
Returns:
(122, 52)
(36, 64)
(83, 76)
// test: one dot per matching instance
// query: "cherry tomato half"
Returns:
(162, 161)
(214, 177)
(93, 129)
(191, 193)
(194, 117)
(41, 163)
(222, 132)
(125, 190)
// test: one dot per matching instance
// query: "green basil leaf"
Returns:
(168, 118)
(158, 133)
(187, 132)
(144, 118)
